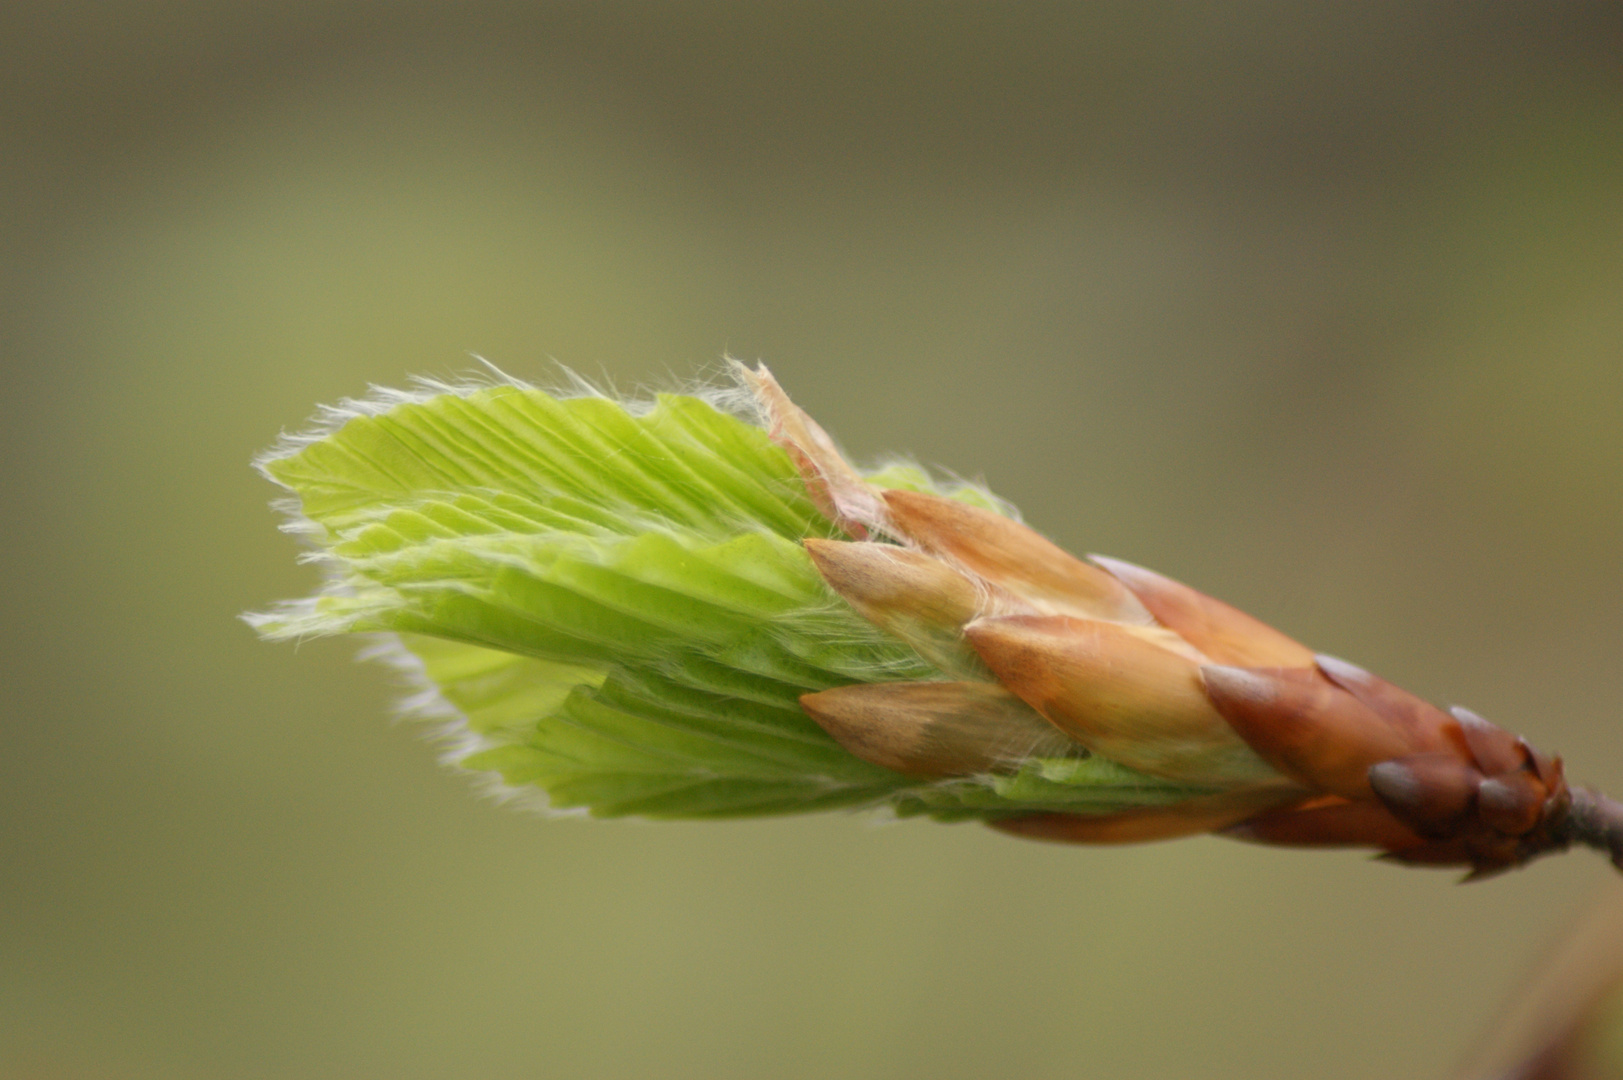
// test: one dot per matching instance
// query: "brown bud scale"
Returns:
(1051, 651)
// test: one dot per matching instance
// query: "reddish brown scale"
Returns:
(1431, 793)
(1511, 804)
(1495, 749)
(1462, 791)
(1550, 770)
(1328, 821)
(1513, 819)
(1422, 725)
(1225, 634)
(1304, 750)
(1305, 726)
(1427, 786)
(1433, 853)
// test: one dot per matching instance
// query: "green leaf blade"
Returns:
(613, 607)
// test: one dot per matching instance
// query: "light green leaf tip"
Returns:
(609, 605)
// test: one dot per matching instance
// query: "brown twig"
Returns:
(1594, 821)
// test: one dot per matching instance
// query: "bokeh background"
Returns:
(1317, 306)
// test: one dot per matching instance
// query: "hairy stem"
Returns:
(1595, 821)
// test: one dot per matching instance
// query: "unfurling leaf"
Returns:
(616, 607)
(695, 606)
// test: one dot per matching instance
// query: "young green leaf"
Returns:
(612, 607)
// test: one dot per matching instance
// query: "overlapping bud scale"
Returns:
(1054, 654)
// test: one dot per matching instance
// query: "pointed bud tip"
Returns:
(1340, 671)
(1395, 783)
(1511, 804)
(880, 578)
(1121, 568)
(1483, 873)
(1005, 639)
(1011, 556)
(825, 554)
(1495, 749)
(1431, 793)
(1238, 684)
(935, 729)
(1222, 632)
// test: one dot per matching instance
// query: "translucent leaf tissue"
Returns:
(693, 606)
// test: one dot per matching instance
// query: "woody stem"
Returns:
(1595, 821)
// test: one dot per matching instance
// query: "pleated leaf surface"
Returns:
(613, 605)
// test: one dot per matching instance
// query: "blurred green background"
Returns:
(1317, 306)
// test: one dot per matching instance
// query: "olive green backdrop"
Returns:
(1317, 306)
